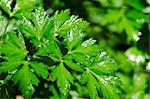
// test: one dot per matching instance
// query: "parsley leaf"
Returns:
(14, 51)
(20, 7)
(63, 78)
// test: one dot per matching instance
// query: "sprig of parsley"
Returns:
(60, 38)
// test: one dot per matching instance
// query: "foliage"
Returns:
(52, 54)
(124, 16)
(21, 6)
(60, 39)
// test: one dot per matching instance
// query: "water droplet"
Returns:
(103, 54)
(88, 42)
(132, 57)
(70, 36)
(101, 63)
(140, 59)
(8, 3)
(136, 36)
(135, 58)
(31, 88)
(104, 81)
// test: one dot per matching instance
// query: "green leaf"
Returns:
(90, 50)
(106, 84)
(80, 58)
(66, 23)
(20, 6)
(137, 4)
(70, 62)
(104, 64)
(74, 66)
(26, 5)
(13, 44)
(26, 79)
(10, 65)
(109, 86)
(63, 78)
(36, 26)
(40, 69)
(88, 42)
(50, 48)
(61, 17)
(87, 47)
(14, 54)
(7, 25)
(99, 76)
(54, 92)
(6, 5)
(66, 26)
(74, 38)
(91, 84)
(120, 20)
(3, 24)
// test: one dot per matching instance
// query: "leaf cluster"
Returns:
(71, 60)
